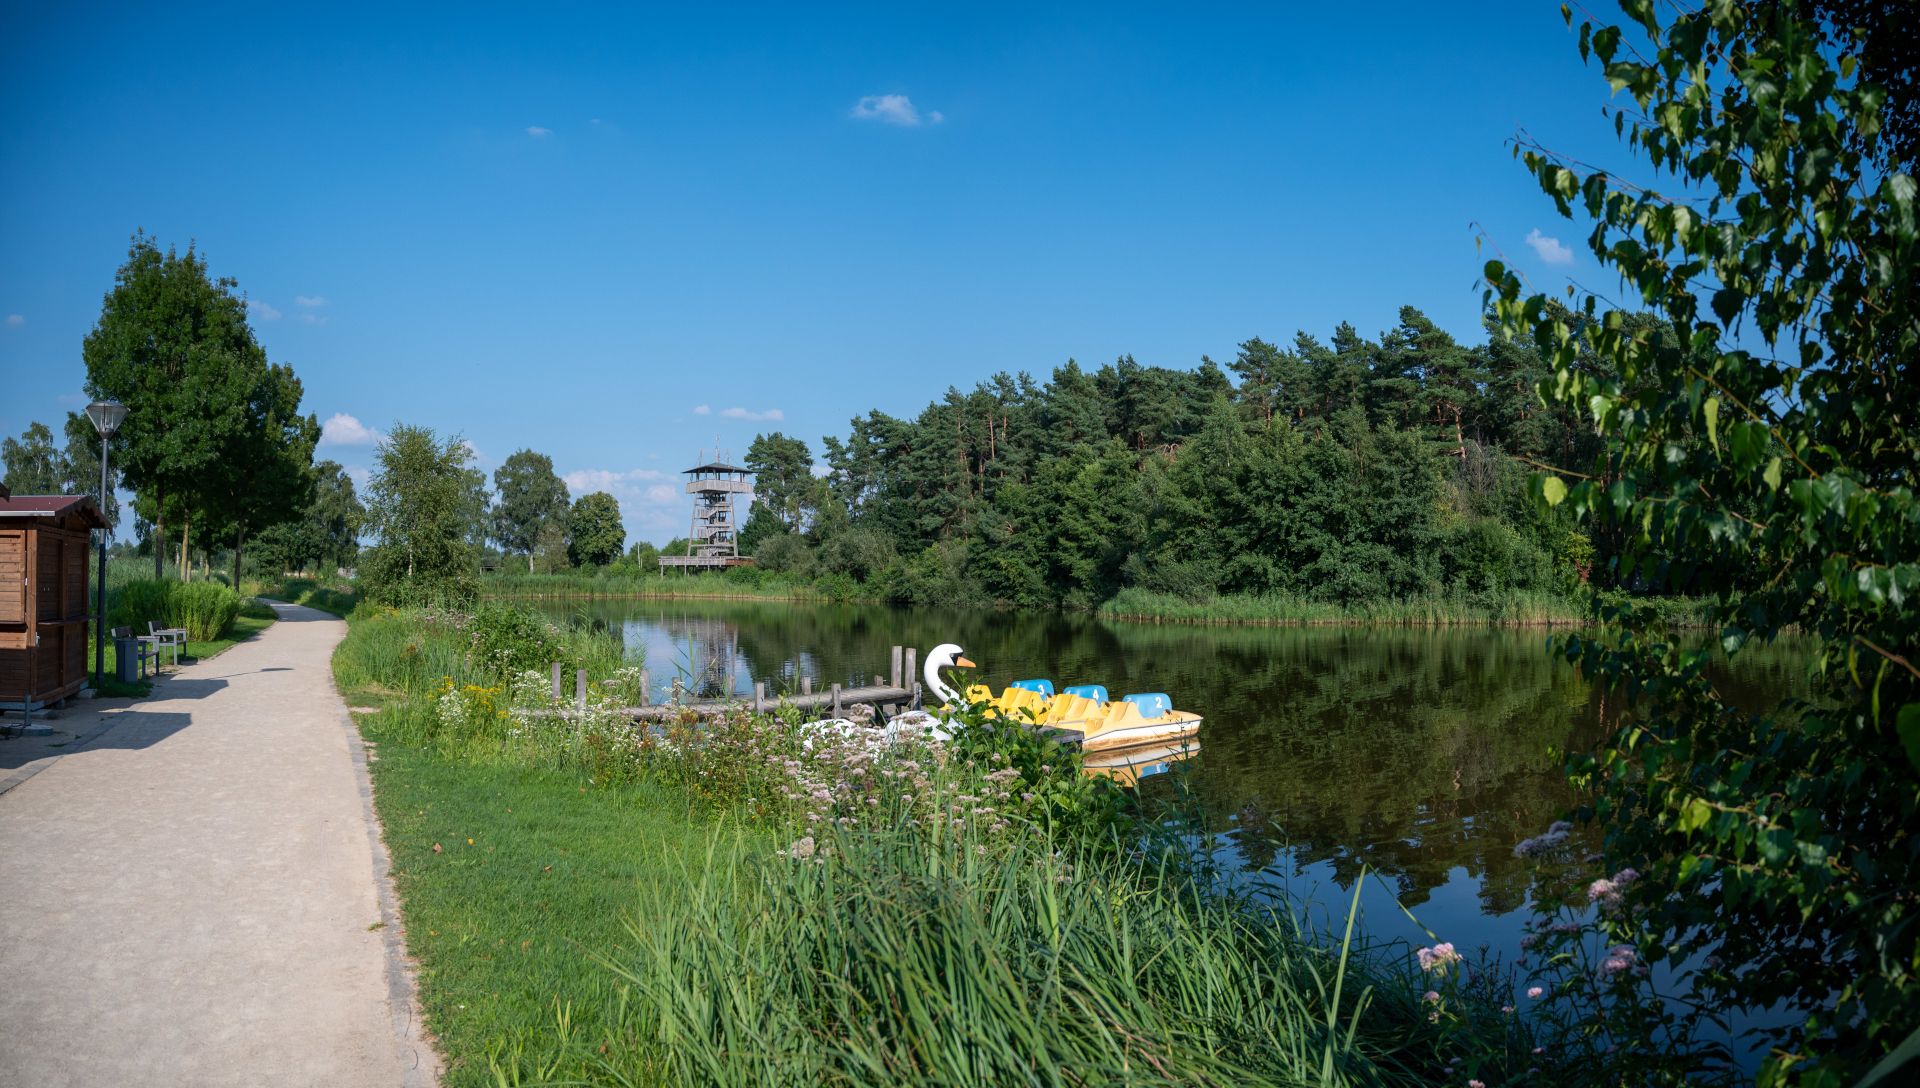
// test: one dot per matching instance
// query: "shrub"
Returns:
(785, 553)
(143, 601)
(204, 609)
(857, 553)
(508, 638)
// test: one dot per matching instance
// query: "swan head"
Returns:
(947, 655)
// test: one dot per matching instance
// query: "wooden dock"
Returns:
(888, 695)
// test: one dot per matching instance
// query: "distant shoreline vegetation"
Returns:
(1513, 609)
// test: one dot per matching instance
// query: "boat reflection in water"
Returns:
(1127, 766)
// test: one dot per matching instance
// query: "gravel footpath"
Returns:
(193, 890)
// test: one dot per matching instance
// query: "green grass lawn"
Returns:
(535, 872)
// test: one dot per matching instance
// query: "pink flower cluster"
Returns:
(1621, 958)
(1607, 892)
(1437, 958)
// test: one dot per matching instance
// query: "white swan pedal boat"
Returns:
(1082, 715)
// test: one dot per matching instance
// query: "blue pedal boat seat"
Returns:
(1043, 687)
(1152, 704)
(1096, 692)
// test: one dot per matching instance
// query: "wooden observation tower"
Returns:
(714, 542)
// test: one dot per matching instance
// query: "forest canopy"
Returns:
(1346, 470)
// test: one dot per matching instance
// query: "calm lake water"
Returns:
(1421, 755)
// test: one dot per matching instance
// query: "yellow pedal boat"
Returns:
(1103, 725)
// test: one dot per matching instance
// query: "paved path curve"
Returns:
(192, 891)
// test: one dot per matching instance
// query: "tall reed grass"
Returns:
(1514, 609)
(931, 959)
(204, 609)
(745, 583)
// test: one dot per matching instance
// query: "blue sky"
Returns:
(621, 234)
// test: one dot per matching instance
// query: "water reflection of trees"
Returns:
(1413, 752)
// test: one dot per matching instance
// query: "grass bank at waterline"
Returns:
(745, 585)
(732, 907)
(1279, 609)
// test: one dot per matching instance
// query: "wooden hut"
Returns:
(44, 596)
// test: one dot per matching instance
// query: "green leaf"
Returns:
(1909, 729)
(1772, 475)
(1695, 815)
(1727, 304)
(1605, 41)
(1712, 409)
(1900, 193)
(1749, 442)
(1553, 489)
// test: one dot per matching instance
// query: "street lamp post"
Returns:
(106, 416)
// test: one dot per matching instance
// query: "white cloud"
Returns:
(650, 506)
(309, 301)
(473, 450)
(256, 308)
(14, 321)
(703, 409)
(360, 475)
(538, 132)
(341, 429)
(582, 481)
(1549, 249)
(893, 109)
(770, 415)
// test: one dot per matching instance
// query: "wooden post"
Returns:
(759, 696)
(911, 677)
(580, 688)
(646, 689)
(916, 695)
(836, 700)
(879, 681)
(895, 662)
(806, 685)
(556, 681)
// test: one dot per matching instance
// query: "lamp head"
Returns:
(106, 416)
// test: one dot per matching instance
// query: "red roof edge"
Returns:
(49, 506)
